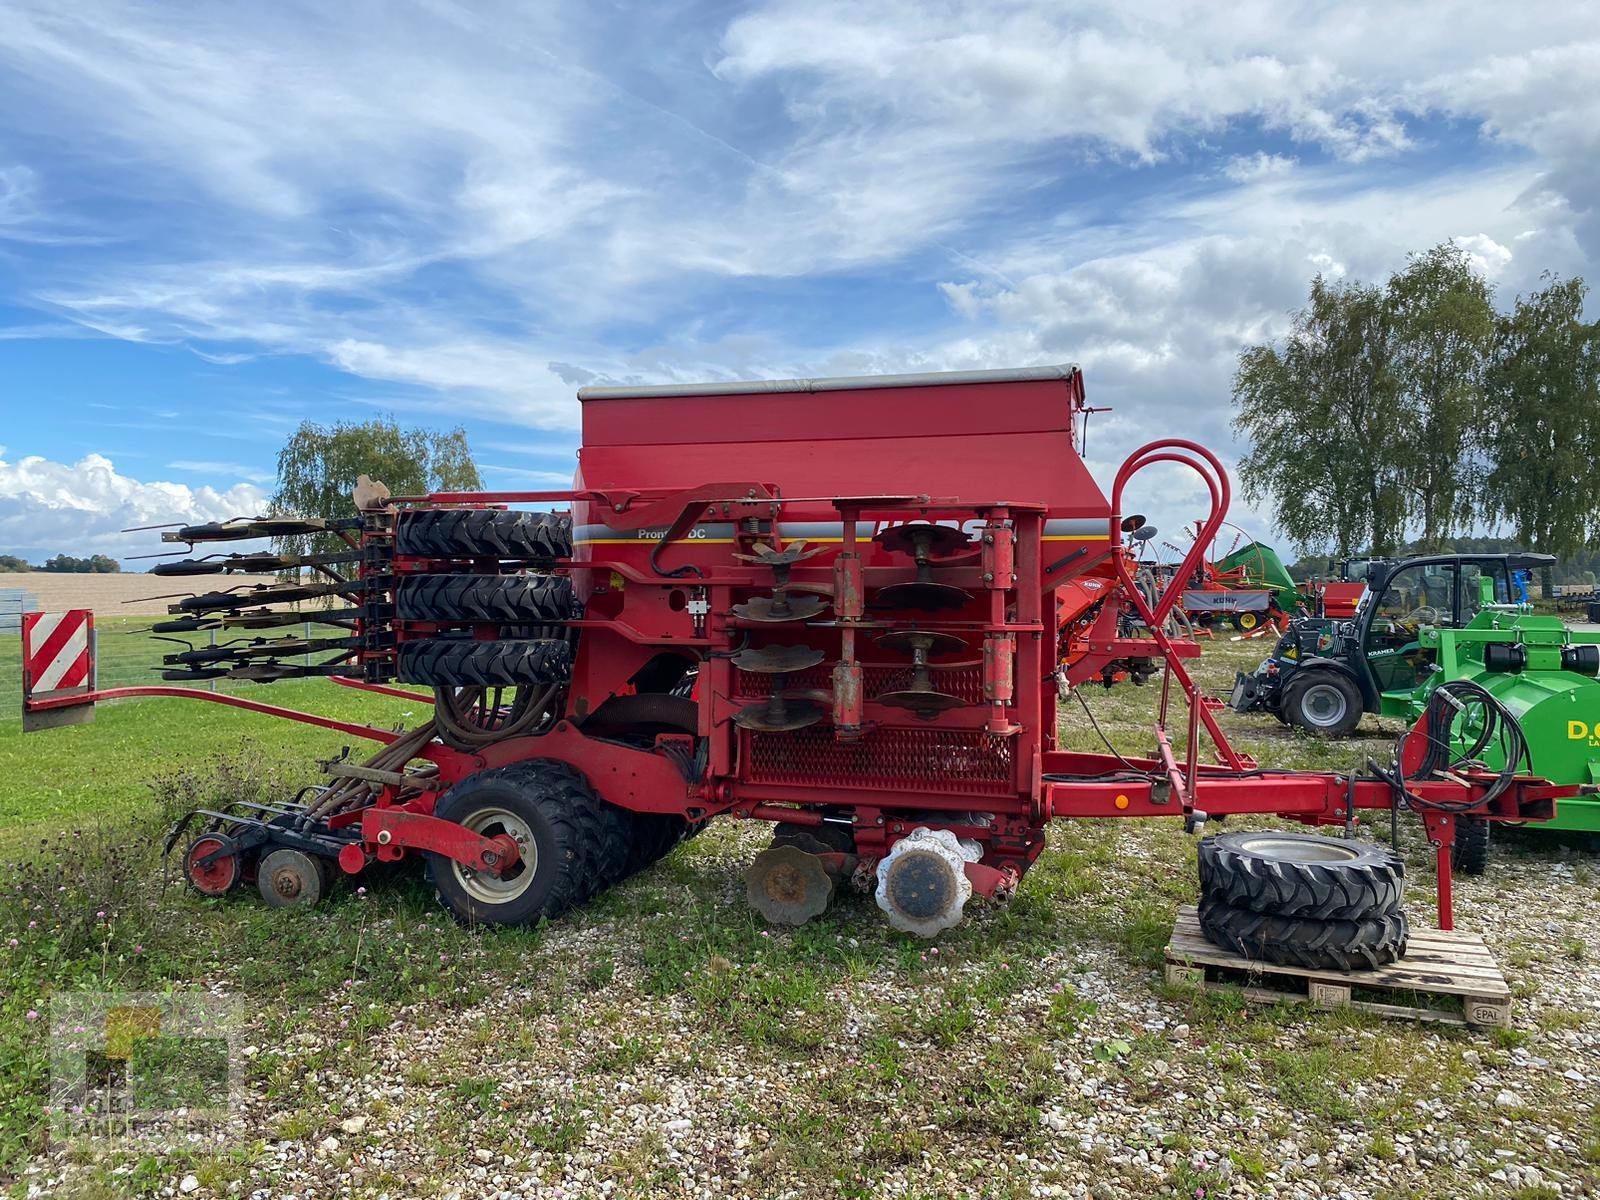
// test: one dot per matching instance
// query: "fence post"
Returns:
(308, 638)
(211, 684)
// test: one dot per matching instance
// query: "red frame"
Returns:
(638, 514)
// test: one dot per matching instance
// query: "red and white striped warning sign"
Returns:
(55, 650)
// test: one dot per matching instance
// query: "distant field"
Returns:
(112, 595)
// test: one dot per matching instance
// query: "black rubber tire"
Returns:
(1470, 854)
(573, 830)
(1308, 686)
(1354, 945)
(508, 599)
(655, 835)
(461, 662)
(1336, 879)
(483, 533)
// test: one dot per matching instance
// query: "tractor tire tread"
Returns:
(1371, 885)
(580, 824)
(1363, 944)
(1470, 854)
(506, 599)
(461, 662)
(484, 533)
(1305, 679)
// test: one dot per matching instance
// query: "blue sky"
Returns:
(219, 220)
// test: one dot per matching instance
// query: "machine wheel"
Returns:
(655, 835)
(483, 533)
(1344, 945)
(1246, 621)
(1301, 875)
(290, 879)
(461, 662)
(219, 876)
(1322, 702)
(566, 836)
(520, 599)
(1470, 854)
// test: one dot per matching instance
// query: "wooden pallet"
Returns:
(1436, 964)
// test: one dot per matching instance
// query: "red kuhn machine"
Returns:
(827, 605)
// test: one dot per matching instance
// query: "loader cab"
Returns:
(1443, 591)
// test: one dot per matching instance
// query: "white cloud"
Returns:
(486, 208)
(1247, 168)
(81, 508)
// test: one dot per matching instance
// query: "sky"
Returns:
(217, 221)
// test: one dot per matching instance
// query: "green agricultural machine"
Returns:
(1459, 623)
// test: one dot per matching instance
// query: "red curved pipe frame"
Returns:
(1206, 465)
(272, 710)
(380, 689)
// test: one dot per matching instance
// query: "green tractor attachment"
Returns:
(1458, 622)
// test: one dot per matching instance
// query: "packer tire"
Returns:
(1301, 875)
(1470, 854)
(1343, 945)
(655, 835)
(568, 828)
(483, 533)
(507, 599)
(462, 662)
(1322, 702)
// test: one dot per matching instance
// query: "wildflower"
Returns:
(33, 924)
(361, 893)
(33, 1014)
(138, 948)
(101, 914)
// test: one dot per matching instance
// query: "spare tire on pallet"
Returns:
(1361, 944)
(483, 533)
(1301, 875)
(509, 599)
(461, 662)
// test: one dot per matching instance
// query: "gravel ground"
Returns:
(662, 1043)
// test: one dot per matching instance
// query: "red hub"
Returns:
(218, 876)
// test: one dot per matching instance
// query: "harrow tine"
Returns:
(241, 649)
(255, 672)
(215, 564)
(234, 599)
(259, 618)
(259, 527)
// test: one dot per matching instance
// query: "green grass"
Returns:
(893, 1052)
(103, 770)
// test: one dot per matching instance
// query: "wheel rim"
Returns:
(1247, 621)
(499, 889)
(219, 876)
(1298, 849)
(1324, 705)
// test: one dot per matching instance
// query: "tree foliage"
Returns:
(1414, 409)
(1319, 415)
(1543, 424)
(1442, 323)
(318, 466)
(95, 564)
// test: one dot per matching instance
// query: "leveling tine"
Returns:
(258, 564)
(259, 527)
(259, 618)
(266, 594)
